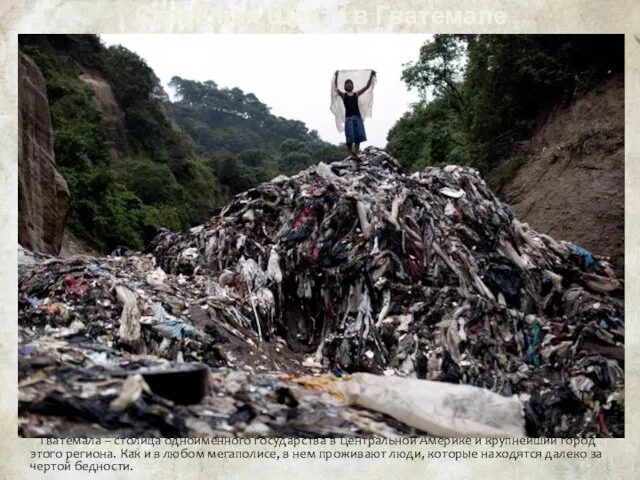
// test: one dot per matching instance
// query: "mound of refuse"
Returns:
(356, 266)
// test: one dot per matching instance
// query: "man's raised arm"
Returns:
(335, 84)
(364, 89)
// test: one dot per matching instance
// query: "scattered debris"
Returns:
(260, 315)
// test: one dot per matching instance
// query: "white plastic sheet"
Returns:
(365, 101)
(438, 408)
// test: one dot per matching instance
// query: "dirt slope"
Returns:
(571, 185)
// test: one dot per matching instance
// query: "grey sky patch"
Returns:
(289, 73)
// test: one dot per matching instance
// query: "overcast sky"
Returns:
(289, 73)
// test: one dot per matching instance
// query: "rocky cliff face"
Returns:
(106, 103)
(43, 195)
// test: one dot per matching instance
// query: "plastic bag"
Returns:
(438, 408)
(169, 326)
(365, 101)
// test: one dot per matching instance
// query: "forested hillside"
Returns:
(487, 92)
(248, 144)
(134, 161)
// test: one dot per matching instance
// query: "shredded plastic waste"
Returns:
(132, 388)
(589, 260)
(321, 384)
(348, 267)
(169, 326)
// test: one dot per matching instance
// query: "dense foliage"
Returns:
(489, 91)
(168, 164)
(246, 142)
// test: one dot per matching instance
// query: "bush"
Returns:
(500, 176)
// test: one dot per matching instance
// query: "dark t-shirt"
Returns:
(351, 105)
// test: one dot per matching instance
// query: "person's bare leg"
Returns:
(350, 149)
(357, 148)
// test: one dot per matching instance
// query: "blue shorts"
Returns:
(354, 130)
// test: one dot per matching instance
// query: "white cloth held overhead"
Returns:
(365, 101)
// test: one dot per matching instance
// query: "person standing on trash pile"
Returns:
(353, 123)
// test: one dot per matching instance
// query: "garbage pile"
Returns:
(114, 347)
(356, 266)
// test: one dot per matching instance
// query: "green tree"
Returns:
(329, 153)
(293, 162)
(438, 68)
(489, 91)
(254, 157)
(292, 145)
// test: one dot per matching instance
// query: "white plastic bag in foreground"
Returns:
(365, 101)
(438, 408)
